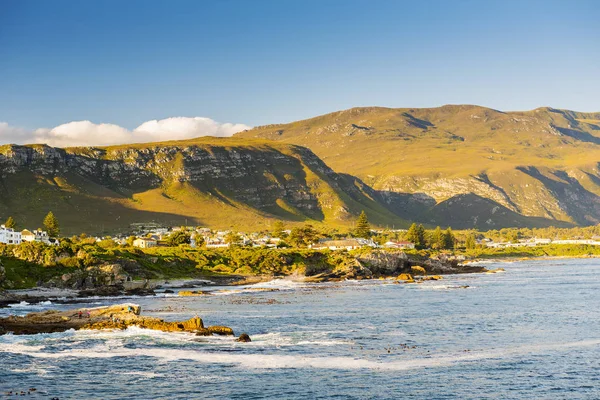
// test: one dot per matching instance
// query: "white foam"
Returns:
(19, 305)
(278, 284)
(276, 361)
(144, 374)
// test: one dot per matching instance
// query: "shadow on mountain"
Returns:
(580, 204)
(578, 135)
(408, 206)
(28, 200)
(417, 122)
(470, 211)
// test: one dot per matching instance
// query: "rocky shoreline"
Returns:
(111, 281)
(119, 316)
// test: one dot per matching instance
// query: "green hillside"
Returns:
(222, 183)
(540, 165)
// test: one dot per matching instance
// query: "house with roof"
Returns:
(37, 235)
(144, 243)
(9, 235)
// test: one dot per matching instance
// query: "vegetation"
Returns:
(363, 229)
(416, 235)
(178, 238)
(505, 168)
(31, 263)
(303, 236)
(51, 225)
(10, 223)
(233, 237)
(153, 192)
(279, 230)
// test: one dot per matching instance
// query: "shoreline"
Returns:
(507, 259)
(152, 287)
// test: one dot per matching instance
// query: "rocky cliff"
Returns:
(226, 183)
(465, 166)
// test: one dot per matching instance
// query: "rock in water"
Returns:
(243, 338)
(408, 278)
(112, 317)
(417, 270)
(221, 330)
(195, 293)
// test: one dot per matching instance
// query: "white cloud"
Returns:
(86, 133)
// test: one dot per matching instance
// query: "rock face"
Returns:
(463, 166)
(379, 263)
(169, 182)
(113, 317)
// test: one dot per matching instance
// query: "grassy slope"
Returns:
(538, 163)
(88, 203)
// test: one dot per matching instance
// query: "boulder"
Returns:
(113, 317)
(408, 278)
(244, 338)
(432, 278)
(417, 270)
(221, 330)
(194, 293)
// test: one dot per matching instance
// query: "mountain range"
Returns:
(218, 182)
(461, 166)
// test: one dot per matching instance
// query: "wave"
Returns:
(25, 304)
(163, 346)
(262, 287)
(263, 361)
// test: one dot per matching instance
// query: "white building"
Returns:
(402, 244)
(143, 243)
(9, 236)
(36, 236)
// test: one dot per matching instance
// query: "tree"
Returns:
(278, 229)
(199, 240)
(232, 237)
(51, 225)
(436, 239)
(416, 234)
(449, 239)
(10, 223)
(177, 238)
(470, 243)
(363, 229)
(130, 240)
(304, 236)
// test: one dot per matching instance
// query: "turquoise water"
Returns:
(531, 332)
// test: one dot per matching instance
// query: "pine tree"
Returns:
(416, 235)
(51, 225)
(363, 229)
(449, 239)
(10, 223)
(437, 239)
(413, 235)
(422, 239)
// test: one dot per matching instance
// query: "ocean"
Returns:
(531, 332)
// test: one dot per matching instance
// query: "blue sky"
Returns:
(259, 62)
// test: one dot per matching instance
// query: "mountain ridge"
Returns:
(220, 182)
(541, 163)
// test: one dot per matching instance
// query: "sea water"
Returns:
(530, 332)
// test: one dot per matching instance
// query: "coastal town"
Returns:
(148, 236)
